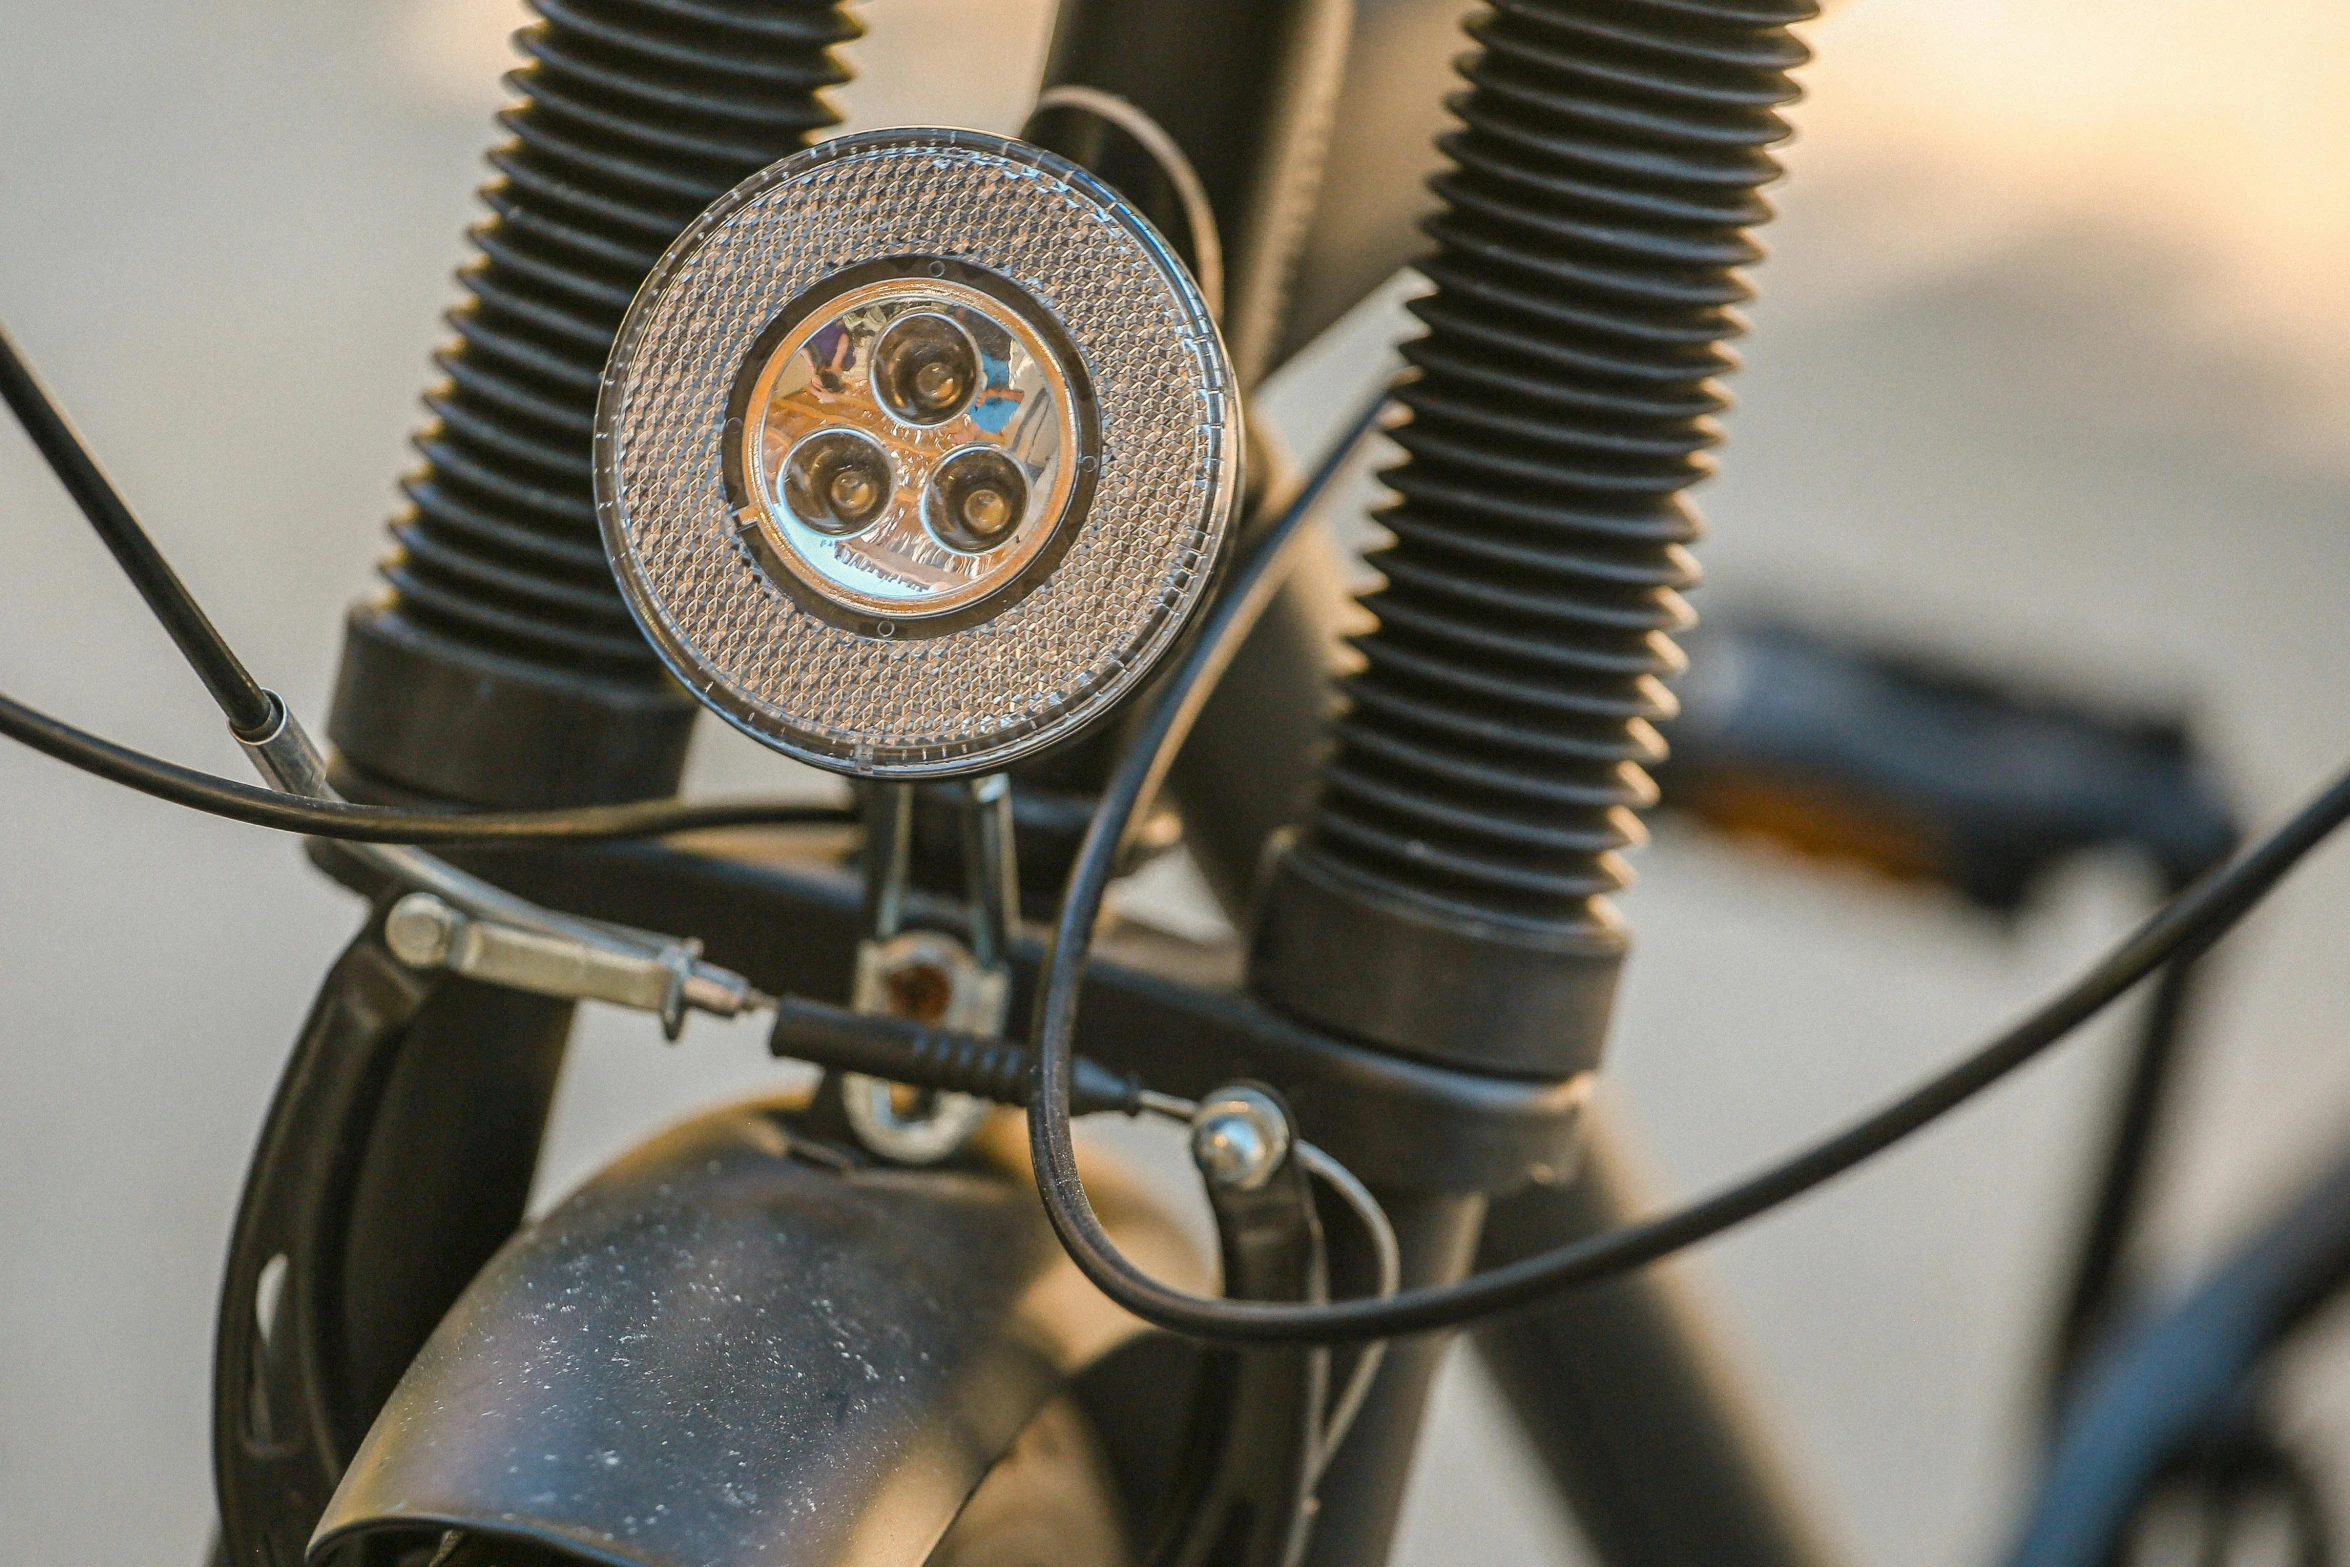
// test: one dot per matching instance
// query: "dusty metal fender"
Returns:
(724, 1351)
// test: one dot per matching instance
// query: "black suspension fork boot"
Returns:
(500, 667)
(1448, 898)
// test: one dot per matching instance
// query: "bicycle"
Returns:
(633, 964)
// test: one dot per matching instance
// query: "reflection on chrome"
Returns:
(910, 446)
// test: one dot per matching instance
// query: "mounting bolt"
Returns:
(421, 930)
(1239, 1136)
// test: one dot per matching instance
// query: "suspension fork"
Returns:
(1447, 898)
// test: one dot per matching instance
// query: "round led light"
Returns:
(915, 453)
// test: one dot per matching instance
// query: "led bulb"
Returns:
(976, 498)
(836, 481)
(916, 452)
(924, 367)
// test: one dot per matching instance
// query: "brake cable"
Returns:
(571, 956)
(2183, 927)
(288, 812)
(259, 718)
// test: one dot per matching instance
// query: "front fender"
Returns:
(726, 1351)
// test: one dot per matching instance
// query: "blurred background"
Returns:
(2048, 374)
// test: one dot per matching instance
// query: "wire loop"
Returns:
(1207, 245)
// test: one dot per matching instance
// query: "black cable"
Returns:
(242, 701)
(2181, 928)
(901, 1050)
(242, 802)
(252, 711)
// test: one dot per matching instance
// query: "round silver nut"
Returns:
(1239, 1137)
(934, 1132)
(420, 930)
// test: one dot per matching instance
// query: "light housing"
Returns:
(916, 452)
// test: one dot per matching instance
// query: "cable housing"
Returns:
(234, 690)
(259, 807)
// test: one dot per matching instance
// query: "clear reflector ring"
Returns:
(916, 452)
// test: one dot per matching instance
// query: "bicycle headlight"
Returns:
(915, 453)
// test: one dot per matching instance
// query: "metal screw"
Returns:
(1239, 1136)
